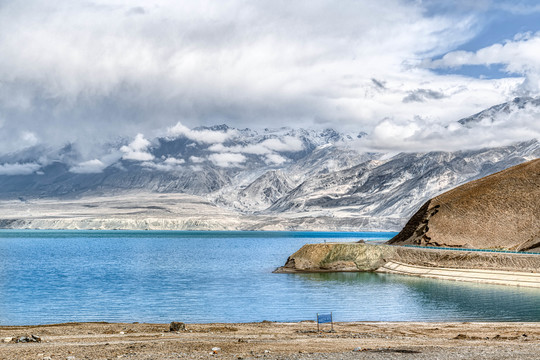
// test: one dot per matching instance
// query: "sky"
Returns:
(404, 71)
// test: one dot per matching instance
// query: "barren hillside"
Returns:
(500, 211)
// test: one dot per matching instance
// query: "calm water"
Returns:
(152, 276)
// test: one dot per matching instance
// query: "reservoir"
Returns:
(163, 276)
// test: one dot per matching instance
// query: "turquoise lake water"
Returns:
(163, 276)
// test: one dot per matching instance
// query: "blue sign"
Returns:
(324, 318)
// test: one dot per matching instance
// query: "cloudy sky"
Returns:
(403, 71)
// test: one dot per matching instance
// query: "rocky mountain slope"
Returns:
(396, 186)
(289, 178)
(500, 211)
(504, 109)
(198, 162)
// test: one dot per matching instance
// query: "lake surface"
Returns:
(163, 276)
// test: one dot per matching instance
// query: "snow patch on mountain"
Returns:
(302, 177)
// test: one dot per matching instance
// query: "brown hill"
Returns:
(500, 211)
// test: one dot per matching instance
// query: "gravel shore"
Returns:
(268, 340)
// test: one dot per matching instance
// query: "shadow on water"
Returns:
(437, 299)
(489, 302)
(351, 278)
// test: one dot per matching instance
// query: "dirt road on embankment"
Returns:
(521, 269)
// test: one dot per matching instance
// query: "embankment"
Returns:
(473, 275)
(366, 257)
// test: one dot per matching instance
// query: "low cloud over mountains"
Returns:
(97, 72)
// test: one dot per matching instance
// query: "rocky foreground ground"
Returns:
(268, 340)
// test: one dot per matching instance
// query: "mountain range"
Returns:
(277, 178)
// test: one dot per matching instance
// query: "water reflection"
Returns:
(431, 299)
(475, 300)
(351, 278)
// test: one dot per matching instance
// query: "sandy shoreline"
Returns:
(268, 340)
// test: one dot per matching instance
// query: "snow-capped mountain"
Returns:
(397, 186)
(293, 178)
(196, 161)
(504, 109)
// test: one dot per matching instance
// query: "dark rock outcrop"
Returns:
(177, 326)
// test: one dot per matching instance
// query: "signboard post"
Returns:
(324, 318)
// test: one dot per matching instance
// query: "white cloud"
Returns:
(388, 131)
(520, 56)
(106, 68)
(18, 169)
(95, 166)
(256, 149)
(89, 167)
(201, 136)
(169, 164)
(137, 149)
(422, 134)
(268, 146)
(29, 138)
(303, 63)
(275, 159)
(174, 161)
(196, 159)
(227, 160)
(285, 143)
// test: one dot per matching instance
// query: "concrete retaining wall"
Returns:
(474, 275)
